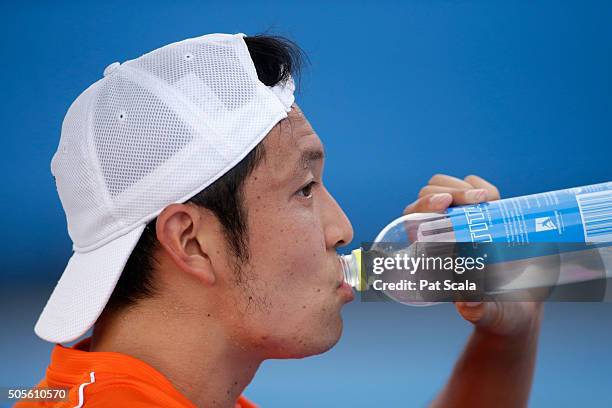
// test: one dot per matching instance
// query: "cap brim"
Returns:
(84, 289)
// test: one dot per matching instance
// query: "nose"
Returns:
(337, 227)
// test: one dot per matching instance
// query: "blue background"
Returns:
(518, 93)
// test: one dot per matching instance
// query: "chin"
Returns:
(326, 338)
(315, 342)
(317, 337)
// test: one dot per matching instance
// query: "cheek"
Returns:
(289, 258)
(289, 241)
(294, 305)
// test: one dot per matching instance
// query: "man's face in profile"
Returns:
(288, 299)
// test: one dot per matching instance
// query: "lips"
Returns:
(346, 291)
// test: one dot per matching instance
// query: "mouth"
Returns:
(346, 291)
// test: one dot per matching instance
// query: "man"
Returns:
(205, 239)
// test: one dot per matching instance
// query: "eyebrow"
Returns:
(309, 156)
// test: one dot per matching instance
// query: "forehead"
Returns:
(286, 142)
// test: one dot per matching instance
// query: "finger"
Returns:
(430, 203)
(431, 189)
(449, 181)
(460, 196)
(479, 182)
(487, 315)
(505, 318)
(473, 312)
(475, 196)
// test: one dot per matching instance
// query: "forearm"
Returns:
(494, 370)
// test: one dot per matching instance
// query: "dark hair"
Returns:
(275, 58)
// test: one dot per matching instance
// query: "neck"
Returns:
(193, 353)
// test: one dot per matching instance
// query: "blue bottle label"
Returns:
(574, 215)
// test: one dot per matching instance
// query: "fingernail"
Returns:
(476, 195)
(472, 304)
(440, 198)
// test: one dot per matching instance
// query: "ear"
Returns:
(179, 231)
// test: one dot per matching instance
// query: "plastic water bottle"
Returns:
(581, 215)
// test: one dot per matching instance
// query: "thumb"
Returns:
(503, 318)
(474, 312)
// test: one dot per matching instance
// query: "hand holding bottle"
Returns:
(507, 318)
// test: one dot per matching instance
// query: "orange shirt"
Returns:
(107, 379)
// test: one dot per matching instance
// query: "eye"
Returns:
(306, 191)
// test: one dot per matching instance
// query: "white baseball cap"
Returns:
(153, 131)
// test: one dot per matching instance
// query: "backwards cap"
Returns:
(153, 131)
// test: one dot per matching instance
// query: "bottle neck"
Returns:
(351, 266)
